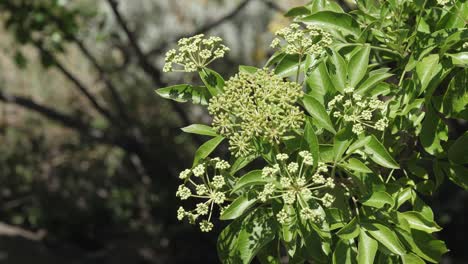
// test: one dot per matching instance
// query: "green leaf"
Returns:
(297, 11)
(335, 21)
(341, 142)
(379, 154)
(349, 231)
(433, 131)
(312, 141)
(419, 222)
(385, 236)
(343, 253)
(379, 199)
(423, 244)
(269, 254)
(356, 165)
(357, 66)
(212, 80)
(288, 65)
(459, 59)
(318, 112)
(248, 69)
(455, 101)
(458, 174)
(251, 178)
(319, 83)
(241, 162)
(367, 248)
(361, 142)
(204, 150)
(427, 69)
(237, 207)
(336, 67)
(240, 241)
(458, 151)
(412, 258)
(200, 130)
(185, 93)
(372, 81)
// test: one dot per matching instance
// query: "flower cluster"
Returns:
(359, 111)
(199, 185)
(194, 53)
(297, 40)
(298, 183)
(443, 2)
(259, 105)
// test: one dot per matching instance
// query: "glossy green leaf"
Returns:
(356, 165)
(341, 141)
(204, 150)
(318, 112)
(458, 151)
(412, 258)
(240, 241)
(350, 230)
(433, 131)
(379, 199)
(185, 93)
(361, 142)
(379, 154)
(367, 248)
(372, 81)
(426, 70)
(200, 130)
(288, 65)
(297, 11)
(357, 66)
(237, 207)
(336, 21)
(459, 59)
(385, 236)
(212, 80)
(241, 162)
(319, 83)
(251, 178)
(248, 69)
(343, 253)
(337, 71)
(419, 222)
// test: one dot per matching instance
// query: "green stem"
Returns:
(298, 68)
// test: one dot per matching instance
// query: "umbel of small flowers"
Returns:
(257, 105)
(295, 39)
(211, 191)
(194, 53)
(359, 111)
(297, 183)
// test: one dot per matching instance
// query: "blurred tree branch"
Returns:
(147, 67)
(210, 25)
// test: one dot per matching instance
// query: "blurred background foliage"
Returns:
(89, 154)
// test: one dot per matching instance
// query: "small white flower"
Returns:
(218, 181)
(293, 167)
(206, 226)
(328, 200)
(282, 156)
(181, 213)
(199, 170)
(218, 197)
(282, 217)
(185, 174)
(201, 189)
(202, 209)
(183, 192)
